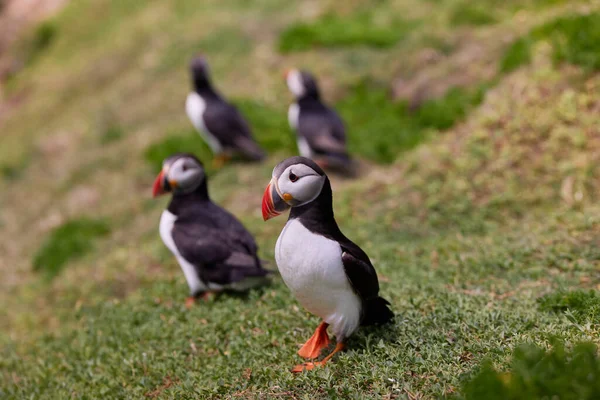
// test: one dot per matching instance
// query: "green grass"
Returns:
(15, 170)
(575, 39)
(112, 133)
(581, 306)
(187, 141)
(380, 130)
(438, 284)
(71, 240)
(539, 374)
(39, 41)
(471, 14)
(516, 55)
(476, 232)
(333, 31)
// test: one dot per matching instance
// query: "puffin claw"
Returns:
(307, 366)
(189, 302)
(220, 160)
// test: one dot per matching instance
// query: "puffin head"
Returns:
(296, 181)
(199, 69)
(301, 83)
(181, 173)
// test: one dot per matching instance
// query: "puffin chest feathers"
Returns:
(311, 266)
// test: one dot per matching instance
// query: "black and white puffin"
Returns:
(212, 247)
(320, 132)
(330, 276)
(220, 123)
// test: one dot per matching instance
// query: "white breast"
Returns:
(195, 107)
(311, 266)
(304, 148)
(293, 115)
(167, 220)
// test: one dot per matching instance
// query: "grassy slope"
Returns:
(466, 231)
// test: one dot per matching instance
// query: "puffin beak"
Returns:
(272, 203)
(161, 185)
(286, 74)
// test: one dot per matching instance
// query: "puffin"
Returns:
(212, 247)
(327, 273)
(320, 132)
(220, 123)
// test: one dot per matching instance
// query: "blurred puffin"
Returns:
(212, 247)
(330, 276)
(320, 132)
(218, 122)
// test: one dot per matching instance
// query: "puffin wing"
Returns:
(360, 271)
(323, 131)
(200, 244)
(207, 247)
(226, 123)
(363, 278)
(226, 221)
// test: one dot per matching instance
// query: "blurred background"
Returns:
(476, 128)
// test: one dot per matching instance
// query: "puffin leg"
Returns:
(220, 160)
(204, 296)
(317, 342)
(311, 365)
(189, 302)
(207, 296)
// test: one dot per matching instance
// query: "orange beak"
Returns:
(159, 185)
(286, 73)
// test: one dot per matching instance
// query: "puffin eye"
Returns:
(293, 177)
(184, 167)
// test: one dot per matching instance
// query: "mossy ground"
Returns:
(473, 206)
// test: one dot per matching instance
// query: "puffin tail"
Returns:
(250, 149)
(377, 311)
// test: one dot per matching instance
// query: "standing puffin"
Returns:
(330, 276)
(212, 247)
(320, 132)
(218, 122)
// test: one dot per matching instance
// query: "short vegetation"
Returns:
(536, 373)
(332, 31)
(68, 242)
(472, 14)
(380, 129)
(582, 306)
(575, 39)
(479, 206)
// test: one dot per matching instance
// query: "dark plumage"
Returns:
(213, 248)
(220, 123)
(320, 131)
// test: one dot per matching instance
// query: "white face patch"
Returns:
(187, 173)
(302, 182)
(294, 82)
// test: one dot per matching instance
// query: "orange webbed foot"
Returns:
(312, 365)
(205, 297)
(189, 302)
(220, 160)
(317, 342)
(308, 366)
